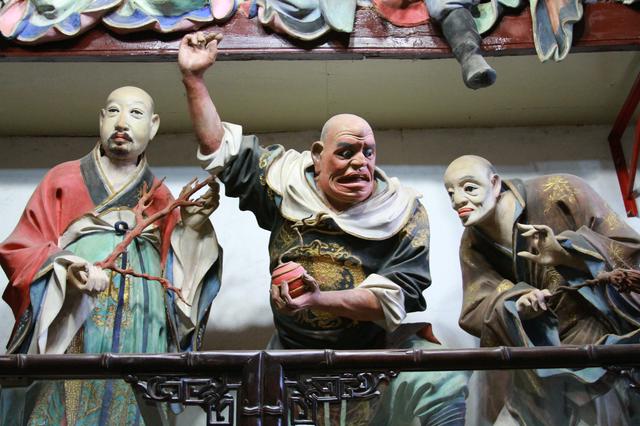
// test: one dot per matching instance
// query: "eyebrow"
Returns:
(467, 177)
(344, 144)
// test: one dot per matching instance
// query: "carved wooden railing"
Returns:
(269, 385)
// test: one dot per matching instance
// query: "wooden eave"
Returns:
(605, 27)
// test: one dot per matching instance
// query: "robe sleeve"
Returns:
(407, 267)
(484, 293)
(33, 245)
(242, 165)
(602, 240)
(596, 233)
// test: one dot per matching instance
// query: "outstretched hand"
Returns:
(196, 216)
(544, 248)
(198, 51)
(283, 301)
(87, 277)
(533, 303)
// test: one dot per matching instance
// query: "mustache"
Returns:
(123, 135)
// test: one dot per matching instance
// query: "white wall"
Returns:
(241, 317)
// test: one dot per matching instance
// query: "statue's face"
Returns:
(52, 9)
(473, 190)
(346, 164)
(127, 124)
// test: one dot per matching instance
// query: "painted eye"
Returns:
(137, 112)
(346, 154)
(113, 110)
(470, 188)
(368, 152)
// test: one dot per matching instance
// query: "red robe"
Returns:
(62, 197)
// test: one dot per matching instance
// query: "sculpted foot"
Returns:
(477, 73)
(461, 32)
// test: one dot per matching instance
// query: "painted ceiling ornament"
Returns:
(307, 19)
(39, 21)
(168, 15)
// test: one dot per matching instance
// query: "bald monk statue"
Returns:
(529, 256)
(64, 304)
(362, 237)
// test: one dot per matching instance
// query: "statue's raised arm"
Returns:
(198, 52)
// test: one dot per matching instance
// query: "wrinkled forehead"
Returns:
(464, 170)
(131, 96)
(350, 131)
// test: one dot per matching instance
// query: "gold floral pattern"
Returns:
(504, 286)
(552, 279)
(417, 230)
(612, 221)
(286, 237)
(616, 254)
(557, 189)
(335, 268)
(110, 299)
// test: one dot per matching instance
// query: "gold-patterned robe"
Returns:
(494, 277)
(336, 258)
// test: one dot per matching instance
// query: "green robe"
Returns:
(75, 215)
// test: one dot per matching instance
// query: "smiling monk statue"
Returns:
(64, 304)
(537, 260)
(362, 237)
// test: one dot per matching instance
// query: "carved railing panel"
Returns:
(304, 394)
(274, 387)
(216, 396)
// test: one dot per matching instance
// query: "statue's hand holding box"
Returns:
(291, 273)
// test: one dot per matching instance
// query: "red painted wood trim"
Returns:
(626, 174)
(606, 26)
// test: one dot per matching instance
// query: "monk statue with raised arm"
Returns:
(64, 303)
(361, 237)
(547, 262)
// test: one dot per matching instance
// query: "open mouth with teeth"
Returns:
(353, 178)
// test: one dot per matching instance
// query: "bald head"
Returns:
(341, 122)
(472, 162)
(133, 92)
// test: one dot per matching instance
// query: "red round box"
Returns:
(292, 273)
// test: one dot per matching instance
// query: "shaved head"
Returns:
(342, 121)
(132, 91)
(472, 161)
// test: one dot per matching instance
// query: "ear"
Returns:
(316, 155)
(155, 125)
(496, 185)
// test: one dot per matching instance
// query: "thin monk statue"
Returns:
(64, 303)
(547, 262)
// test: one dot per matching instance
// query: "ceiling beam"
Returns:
(605, 27)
